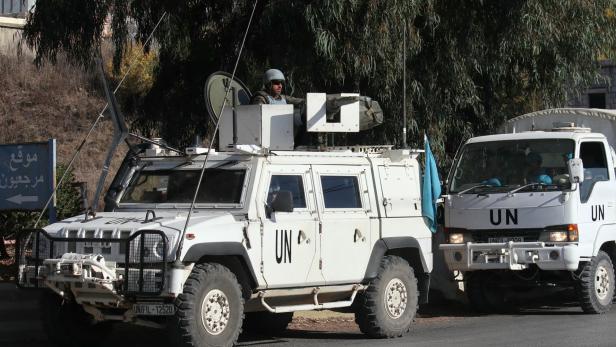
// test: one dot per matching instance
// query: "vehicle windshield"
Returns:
(502, 166)
(218, 186)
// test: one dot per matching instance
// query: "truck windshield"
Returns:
(218, 186)
(502, 166)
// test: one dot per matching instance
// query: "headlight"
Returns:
(456, 238)
(558, 236)
(574, 235)
(563, 233)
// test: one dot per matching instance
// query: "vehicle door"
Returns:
(597, 191)
(289, 239)
(344, 206)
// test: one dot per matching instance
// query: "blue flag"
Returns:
(431, 187)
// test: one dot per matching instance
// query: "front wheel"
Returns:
(387, 308)
(595, 285)
(210, 310)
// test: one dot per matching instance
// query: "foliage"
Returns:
(470, 64)
(136, 67)
(68, 203)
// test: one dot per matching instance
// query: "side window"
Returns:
(595, 166)
(291, 183)
(340, 191)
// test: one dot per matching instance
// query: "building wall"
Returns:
(601, 95)
(10, 34)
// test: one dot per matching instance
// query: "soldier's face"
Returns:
(276, 88)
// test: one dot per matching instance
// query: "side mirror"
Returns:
(576, 170)
(282, 201)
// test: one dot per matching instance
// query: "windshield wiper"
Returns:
(473, 188)
(513, 191)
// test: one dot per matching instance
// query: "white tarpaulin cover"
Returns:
(598, 120)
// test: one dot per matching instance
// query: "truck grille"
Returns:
(484, 236)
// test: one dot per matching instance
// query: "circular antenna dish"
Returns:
(215, 89)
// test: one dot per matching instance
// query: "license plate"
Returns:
(154, 309)
(505, 239)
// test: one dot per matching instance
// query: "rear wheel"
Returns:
(267, 322)
(595, 286)
(67, 324)
(387, 308)
(210, 310)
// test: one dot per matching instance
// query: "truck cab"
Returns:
(535, 206)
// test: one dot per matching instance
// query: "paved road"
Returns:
(561, 325)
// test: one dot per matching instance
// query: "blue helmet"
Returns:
(545, 179)
(272, 75)
(494, 182)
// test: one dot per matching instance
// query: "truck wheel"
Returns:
(595, 285)
(210, 310)
(388, 306)
(266, 322)
(67, 324)
(482, 295)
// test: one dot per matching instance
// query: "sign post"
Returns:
(27, 176)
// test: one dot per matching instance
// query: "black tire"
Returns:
(67, 324)
(373, 316)
(217, 284)
(483, 293)
(595, 285)
(266, 322)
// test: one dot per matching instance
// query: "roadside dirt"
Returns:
(330, 321)
(324, 321)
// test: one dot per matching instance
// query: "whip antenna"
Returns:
(404, 144)
(94, 124)
(209, 149)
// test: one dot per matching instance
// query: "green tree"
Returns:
(470, 64)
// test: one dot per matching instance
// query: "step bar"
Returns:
(316, 305)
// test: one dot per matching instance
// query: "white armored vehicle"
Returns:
(536, 206)
(273, 230)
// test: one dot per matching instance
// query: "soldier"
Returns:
(273, 80)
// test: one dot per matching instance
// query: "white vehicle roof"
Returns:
(536, 135)
(594, 120)
(354, 155)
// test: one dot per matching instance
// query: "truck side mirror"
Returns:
(576, 170)
(282, 201)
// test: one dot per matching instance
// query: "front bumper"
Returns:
(510, 255)
(43, 261)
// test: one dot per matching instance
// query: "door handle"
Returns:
(358, 236)
(301, 237)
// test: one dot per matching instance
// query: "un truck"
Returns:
(536, 206)
(274, 229)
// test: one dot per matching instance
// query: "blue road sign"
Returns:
(27, 175)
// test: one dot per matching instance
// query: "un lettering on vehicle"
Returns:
(597, 212)
(509, 217)
(284, 246)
